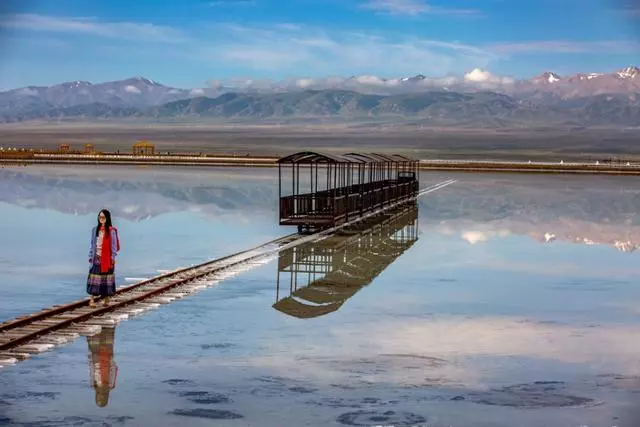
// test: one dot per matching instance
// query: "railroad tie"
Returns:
(14, 355)
(49, 328)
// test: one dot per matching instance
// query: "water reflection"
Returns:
(103, 369)
(138, 195)
(321, 276)
(587, 210)
(490, 326)
(584, 210)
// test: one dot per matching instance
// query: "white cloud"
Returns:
(318, 83)
(476, 236)
(414, 7)
(408, 7)
(304, 54)
(314, 51)
(304, 83)
(366, 83)
(565, 46)
(197, 92)
(132, 89)
(138, 31)
(478, 75)
(370, 80)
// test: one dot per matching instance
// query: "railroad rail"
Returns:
(61, 324)
(627, 167)
(574, 167)
(80, 310)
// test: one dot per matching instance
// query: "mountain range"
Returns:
(477, 99)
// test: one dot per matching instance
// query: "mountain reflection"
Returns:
(581, 209)
(321, 276)
(103, 369)
(137, 195)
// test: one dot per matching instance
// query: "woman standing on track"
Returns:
(102, 257)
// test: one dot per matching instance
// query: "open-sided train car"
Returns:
(326, 190)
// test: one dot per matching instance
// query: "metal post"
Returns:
(361, 183)
(280, 191)
(278, 286)
(293, 179)
(335, 179)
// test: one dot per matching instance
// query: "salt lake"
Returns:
(515, 301)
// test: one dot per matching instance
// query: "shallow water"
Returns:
(516, 303)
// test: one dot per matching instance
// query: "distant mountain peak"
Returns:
(144, 80)
(547, 77)
(613, 95)
(628, 73)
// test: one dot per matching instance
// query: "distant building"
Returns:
(89, 149)
(63, 148)
(143, 148)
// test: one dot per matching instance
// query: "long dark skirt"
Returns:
(100, 284)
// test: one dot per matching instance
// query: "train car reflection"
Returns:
(323, 275)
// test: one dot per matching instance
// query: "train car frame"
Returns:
(339, 188)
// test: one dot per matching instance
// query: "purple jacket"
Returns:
(114, 244)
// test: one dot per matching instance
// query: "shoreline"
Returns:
(223, 160)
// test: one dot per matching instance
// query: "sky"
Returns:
(191, 43)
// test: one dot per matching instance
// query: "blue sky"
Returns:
(188, 43)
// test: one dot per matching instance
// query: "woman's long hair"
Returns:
(107, 222)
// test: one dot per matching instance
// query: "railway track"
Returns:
(35, 333)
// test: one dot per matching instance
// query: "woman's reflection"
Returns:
(102, 368)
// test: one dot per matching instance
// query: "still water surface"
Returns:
(502, 300)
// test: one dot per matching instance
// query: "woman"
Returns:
(102, 257)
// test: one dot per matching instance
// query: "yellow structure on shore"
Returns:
(63, 148)
(89, 149)
(143, 148)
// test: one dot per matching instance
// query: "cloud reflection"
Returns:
(137, 194)
(582, 210)
(591, 210)
(456, 351)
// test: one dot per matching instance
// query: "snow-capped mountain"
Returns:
(629, 73)
(140, 91)
(584, 98)
(546, 78)
(131, 92)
